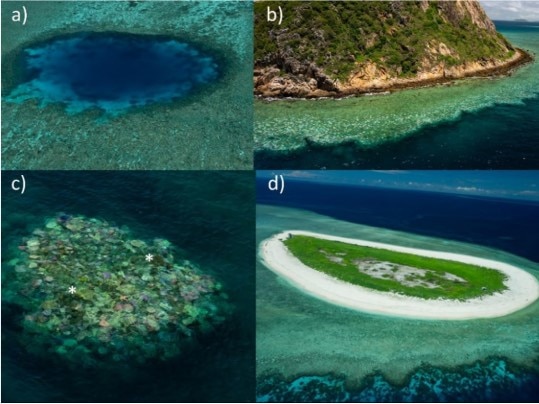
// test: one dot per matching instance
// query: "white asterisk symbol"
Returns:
(72, 289)
(149, 257)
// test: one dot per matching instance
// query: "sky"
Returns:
(523, 185)
(509, 10)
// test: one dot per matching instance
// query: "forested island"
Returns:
(335, 49)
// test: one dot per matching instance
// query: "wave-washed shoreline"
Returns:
(292, 89)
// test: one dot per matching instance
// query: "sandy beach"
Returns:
(523, 288)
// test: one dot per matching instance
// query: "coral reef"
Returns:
(132, 301)
(491, 380)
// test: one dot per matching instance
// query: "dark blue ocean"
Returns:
(209, 216)
(506, 224)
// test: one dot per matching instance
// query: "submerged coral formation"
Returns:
(132, 302)
(492, 380)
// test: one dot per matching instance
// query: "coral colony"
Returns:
(91, 296)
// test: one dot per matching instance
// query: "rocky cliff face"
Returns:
(458, 10)
(337, 48)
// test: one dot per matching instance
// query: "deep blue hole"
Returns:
(113, 71)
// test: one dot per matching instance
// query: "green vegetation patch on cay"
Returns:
(391, 271)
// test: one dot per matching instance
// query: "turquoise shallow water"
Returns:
(463, 125)
(300, 336)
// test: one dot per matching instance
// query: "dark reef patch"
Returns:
(476, 140)
(111, 71)
(494, 380)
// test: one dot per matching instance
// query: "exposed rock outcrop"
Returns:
(341, 48)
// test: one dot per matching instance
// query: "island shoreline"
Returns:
(520, 59)
(523, 287)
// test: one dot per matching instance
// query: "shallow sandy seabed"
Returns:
(522, 287)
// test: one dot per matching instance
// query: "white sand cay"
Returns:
(523, 288)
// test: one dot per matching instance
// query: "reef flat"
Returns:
(195, 131)
(522, 289)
